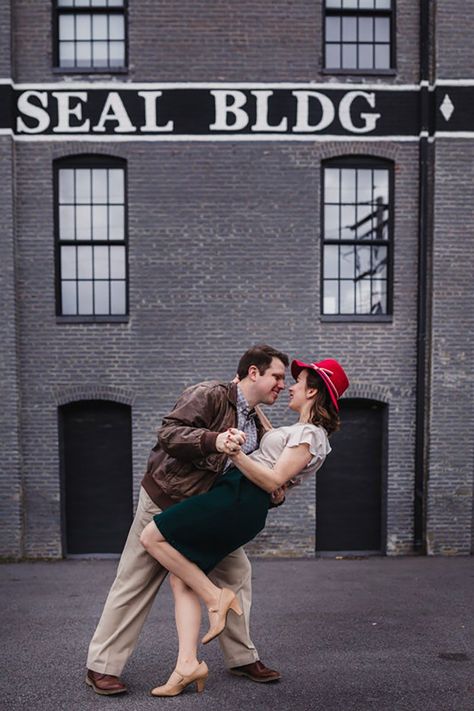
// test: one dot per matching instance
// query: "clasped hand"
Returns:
(230, 441)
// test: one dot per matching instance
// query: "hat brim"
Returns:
(298, 365)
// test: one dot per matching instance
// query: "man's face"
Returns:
(269, 385)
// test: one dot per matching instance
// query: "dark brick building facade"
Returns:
(223, 236)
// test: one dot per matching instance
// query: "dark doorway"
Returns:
(349, 488)
(96, 465)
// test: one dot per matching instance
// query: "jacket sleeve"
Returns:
(184, 433)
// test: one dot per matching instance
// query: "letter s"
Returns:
(34, 111)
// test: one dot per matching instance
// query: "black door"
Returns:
(349, 487)
(96, 464)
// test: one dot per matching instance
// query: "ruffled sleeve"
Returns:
(315, 437)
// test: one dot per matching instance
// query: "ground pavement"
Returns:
(388, 634)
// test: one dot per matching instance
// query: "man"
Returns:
(193, 445)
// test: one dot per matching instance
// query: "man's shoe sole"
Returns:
(253, 678)
(103, 692)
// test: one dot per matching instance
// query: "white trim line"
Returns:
(154, 86)
(454, 134)
(81, 84)
(219, 138)
(454, 82)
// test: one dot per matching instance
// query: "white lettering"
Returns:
(65, 110)
(114, 110)
(223, 108)
(150, 112)
(33, 111)
(302, 124)
(370, 120)
(261, 123)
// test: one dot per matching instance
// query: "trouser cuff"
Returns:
(240, 661)
(105, 669)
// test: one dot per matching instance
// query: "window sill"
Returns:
(91, 319)
(90, 70)
(360, 72)
(365, 318)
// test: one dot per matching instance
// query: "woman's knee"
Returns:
(148, 535)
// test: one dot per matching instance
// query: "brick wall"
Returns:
(454, 27)
(224, 252)
(10, 455)
(197, 40)
(450, 514)
(5, 41)
(10, 479)
(451, 443)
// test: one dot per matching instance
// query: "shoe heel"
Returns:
(200, 684)
(235, 607)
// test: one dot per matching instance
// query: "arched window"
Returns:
(357, 225)
(91, 237)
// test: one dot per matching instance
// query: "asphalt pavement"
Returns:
(388, 634)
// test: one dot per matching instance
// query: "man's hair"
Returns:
(261, 356)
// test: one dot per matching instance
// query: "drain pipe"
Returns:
(424, 246)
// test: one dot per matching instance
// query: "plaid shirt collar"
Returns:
(244, 410)
(246, 421)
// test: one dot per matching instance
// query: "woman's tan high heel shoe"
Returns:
(227, 601)
(181, 681)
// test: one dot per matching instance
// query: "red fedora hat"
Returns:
(330, 371)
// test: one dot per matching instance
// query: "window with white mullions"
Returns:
(91, 34)
(91, 237)
(358, 35)
(357, 235)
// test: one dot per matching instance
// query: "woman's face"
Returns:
(298, 392)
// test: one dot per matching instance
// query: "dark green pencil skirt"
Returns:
(207, 527)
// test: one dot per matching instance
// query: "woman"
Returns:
(190, 538)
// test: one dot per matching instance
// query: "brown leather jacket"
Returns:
(185, 461)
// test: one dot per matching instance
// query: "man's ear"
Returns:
(252, 372)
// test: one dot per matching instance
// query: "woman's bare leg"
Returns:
(187, 610)
(176, 563)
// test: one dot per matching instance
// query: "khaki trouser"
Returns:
(138, 579)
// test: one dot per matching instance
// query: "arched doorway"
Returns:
(350, 488)
(96, 466)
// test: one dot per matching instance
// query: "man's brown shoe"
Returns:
(105, 684)
(257, 671)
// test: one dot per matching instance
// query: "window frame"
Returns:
(359, 162)
(59, 10)
(77, 162)
(369, 12)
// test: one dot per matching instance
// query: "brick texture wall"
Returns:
(454, 25)
(5, 40)
(10, 468)
(451, 443)
(223, 252)
(450, 515)
(196, 40)
(10, 477)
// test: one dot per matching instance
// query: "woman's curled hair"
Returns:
(323, 412)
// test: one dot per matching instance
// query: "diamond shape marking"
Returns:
(447, 107)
